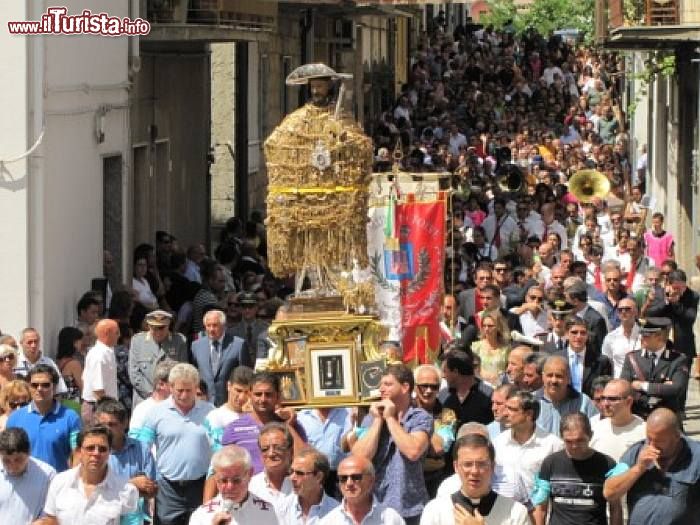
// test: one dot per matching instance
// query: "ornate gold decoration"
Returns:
(319, 169)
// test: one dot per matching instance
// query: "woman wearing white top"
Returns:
(139, 283)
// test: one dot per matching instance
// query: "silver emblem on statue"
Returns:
(320, 157)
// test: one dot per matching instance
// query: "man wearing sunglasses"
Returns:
(52, 428)
(619, 428)
(151, 347)
(234, 503)
(444, 425)
(356, 477)
(615, 291)
(625, 338)
(309, 502)
(533, 317)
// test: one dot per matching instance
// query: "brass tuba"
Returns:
(510, 178)
(587, 185)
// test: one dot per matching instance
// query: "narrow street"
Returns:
(692, 421)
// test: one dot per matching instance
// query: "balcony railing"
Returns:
(662, 13)
(631, 13)
(240, 15)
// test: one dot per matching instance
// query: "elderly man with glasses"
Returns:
(276, 446)
(234, 503)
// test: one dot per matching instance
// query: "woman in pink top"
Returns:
(476, 214)
(659, 243)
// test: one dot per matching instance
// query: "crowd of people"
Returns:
(558, 397)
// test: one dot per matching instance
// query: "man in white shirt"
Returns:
(457, 140)
(523, 446)
(100, 372)
(359, 505)
(549, 71)
(500, 227)
(533, 317)
(276, 446)
(161, 392)
(238, 388)
(31, 355)
(234, 504)
(24, 481)
(620, 428)
(111, 496)
(625, 338)
(309, 503)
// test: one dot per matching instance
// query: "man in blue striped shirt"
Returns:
(129, 457)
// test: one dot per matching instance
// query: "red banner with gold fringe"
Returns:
(418, 264)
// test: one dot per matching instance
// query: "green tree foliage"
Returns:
(544, 15)
(500, 13)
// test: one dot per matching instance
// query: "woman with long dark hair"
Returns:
(70, 341)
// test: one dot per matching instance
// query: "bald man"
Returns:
(100, 372)
(660, 475)
(359, 505)
(557, 397)
(516, 366)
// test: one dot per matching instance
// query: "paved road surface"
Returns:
(692, 410)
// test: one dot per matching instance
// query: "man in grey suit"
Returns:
(469, 302)
(217, 354)
(150, 348)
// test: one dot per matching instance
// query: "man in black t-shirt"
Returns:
(572, 480)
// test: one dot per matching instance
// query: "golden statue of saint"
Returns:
(319, 164)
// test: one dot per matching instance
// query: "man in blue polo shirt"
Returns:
(52, 428)
(176, 426)
(129, 457)
(660, 475)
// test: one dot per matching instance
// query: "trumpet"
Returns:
(510, 178)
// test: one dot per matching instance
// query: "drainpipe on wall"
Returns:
(35, 174)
